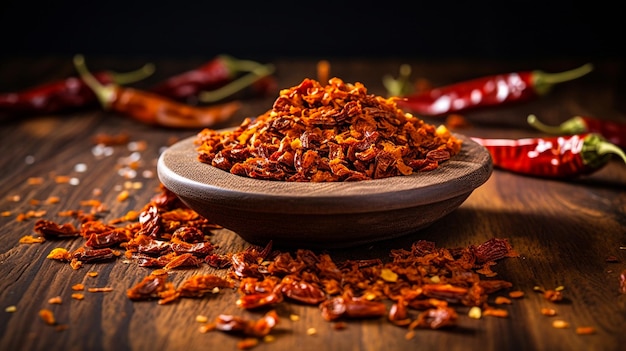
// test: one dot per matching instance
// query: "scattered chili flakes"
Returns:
(311, 331)
(29, 239)
(11, 309)
(47, 316)
(78, 296)
(102, 289)
(496, 312)
(548, 312)
(14, 198)
(35, 180)
(247, 343)
(53, 200)
(92, 274)
(62, 179)
(6, 213)
(55, 300)
(202, 319)
(516, 294)
(60, 254)
(585, 330)
(560, 324)
(501, 300)
(78, 287)
(123, 195)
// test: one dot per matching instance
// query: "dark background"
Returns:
(263, 29)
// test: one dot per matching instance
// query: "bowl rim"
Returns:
(179, 170)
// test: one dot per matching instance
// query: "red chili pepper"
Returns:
(151, 108)
(64, 95)
(552, 157)
(217, 77)
(487, 91)
(612, 131)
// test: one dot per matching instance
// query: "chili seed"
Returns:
(560, 324)
(475, 312)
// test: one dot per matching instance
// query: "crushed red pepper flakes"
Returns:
(517, 294)
(35, 180)
(29, 239)
(78, 287)
(55, 300)
(47, 316)
(560, 324)
(548, 311)
(102, 289)
(326, 133)
(153, 240)
(586, 330)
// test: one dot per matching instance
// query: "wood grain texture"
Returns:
(565, 231)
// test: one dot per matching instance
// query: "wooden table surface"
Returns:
(569, 234)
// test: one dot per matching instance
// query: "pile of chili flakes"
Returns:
(336, 132)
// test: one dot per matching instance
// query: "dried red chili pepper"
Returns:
(552, 157)
(64, 95)
(215, 80)
(151, 108)
(487, 91)
(612, 131)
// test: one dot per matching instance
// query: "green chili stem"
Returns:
(133, 76)
(105, 94)
(236, 85)
(543, 82)
(596, 151)
(572, 126)
(604, 147)
(400, 86)
(236, 65)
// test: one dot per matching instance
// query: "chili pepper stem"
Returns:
(572, 126)
(133, 76)
(105, 94)
(543, 82)
(236, 85)
(603, 147)
(237, 65)
(401, 85)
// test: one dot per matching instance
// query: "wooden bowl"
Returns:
(322, 215)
